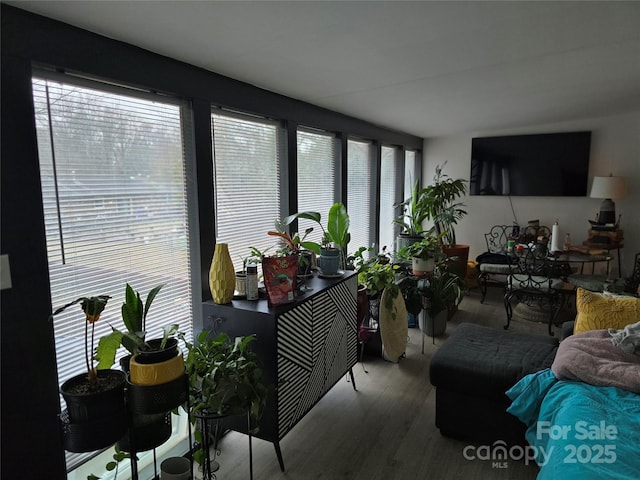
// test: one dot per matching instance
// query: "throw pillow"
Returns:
(598, 311)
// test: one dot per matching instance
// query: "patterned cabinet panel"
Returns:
(316, 346)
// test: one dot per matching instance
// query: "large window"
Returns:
(360, 192)
(317, 162)
(390, 172)
(247, 156)
(113, 176)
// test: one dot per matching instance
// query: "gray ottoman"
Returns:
(472, 370)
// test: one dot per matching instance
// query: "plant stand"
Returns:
(147, 402)
(206, 421)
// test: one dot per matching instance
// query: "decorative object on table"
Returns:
(393, 324)
(280, 278)
(439, 199)
(222, 275)
(608, 188)
(95, 416)
(335, 238)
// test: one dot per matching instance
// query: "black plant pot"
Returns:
(154, 354)
(146, 432)
(105, 400)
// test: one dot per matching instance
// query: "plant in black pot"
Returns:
(95, 416)
(413, 214)
(225, 379)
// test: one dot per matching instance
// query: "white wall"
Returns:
(615, 149)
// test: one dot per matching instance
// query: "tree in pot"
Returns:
(439, 201)
(95, 415)
(335, 237)
(225, 378)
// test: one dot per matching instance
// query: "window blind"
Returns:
(115, 203)
(247, 155)
(389, 172)
(317, 160)
(359, 193)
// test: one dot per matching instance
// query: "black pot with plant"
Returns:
(95, 415)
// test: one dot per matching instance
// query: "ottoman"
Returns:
(472, 370)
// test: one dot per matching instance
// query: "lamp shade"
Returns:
(608, 187)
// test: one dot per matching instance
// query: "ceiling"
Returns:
(426, 68)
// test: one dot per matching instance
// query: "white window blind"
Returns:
(410, 173)
(359, 193)
(247, 155)
(389, 171)
(317, 162)
(115, 203)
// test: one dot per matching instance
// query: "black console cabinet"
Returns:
(305, 347)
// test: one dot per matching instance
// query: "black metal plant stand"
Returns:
(206, 420)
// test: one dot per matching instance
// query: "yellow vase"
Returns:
(222, 275)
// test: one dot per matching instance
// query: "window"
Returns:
(247, 156)
(390, 169)
(360, 193)
(317, 161)
(113, 174)
(411, 172)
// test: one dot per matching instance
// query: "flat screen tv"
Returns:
(549, 164)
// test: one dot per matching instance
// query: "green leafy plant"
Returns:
(92, 308)
(225, 378)
(118, 456)
(336, 233)
(413, 213)
(428, 247)
(443, 290)
(134, 316)
(439, 203)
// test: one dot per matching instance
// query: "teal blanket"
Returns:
(576, 430)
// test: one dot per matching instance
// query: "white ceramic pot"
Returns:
(422, 267)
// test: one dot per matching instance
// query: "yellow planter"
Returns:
(156, 373)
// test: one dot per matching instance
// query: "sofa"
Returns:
(575, 405)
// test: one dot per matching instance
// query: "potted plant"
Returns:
(439, 201)
(442, 292)
(225, 378)
(332, 250)
(423, 254)
(95, 416)
(413, 215)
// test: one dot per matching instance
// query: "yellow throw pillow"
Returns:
(597, 311)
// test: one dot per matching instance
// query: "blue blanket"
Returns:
(577, 430)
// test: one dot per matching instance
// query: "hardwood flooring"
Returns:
(385, 429)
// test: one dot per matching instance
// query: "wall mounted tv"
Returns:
(549, 164)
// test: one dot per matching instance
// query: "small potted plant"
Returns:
(332, 250)
(95, 416)
(423, 254)
(442, 292)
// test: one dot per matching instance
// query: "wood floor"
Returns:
(385, 429)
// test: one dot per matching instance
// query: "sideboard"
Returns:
(305, 347)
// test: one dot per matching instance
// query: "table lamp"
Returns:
(608, 188)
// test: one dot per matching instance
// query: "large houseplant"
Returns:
(225, 378)
(413, 214)
(442, 292)
(440, 202)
